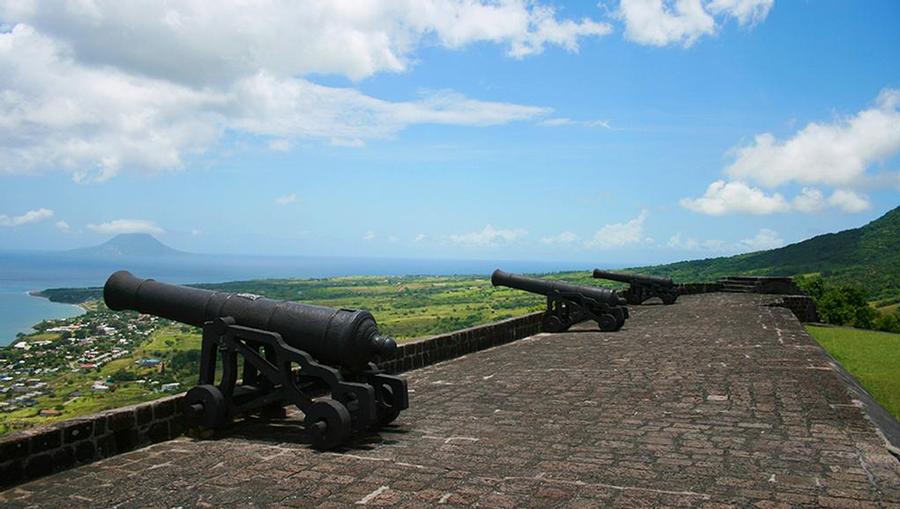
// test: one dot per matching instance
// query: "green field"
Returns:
(872, 357)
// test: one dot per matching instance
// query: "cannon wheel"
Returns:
(607, 322)
(619, 314)
(388, 411)
(552, 323)
(328, 423)
(669, 298)
(205, 407)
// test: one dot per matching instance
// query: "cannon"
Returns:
(570, 304)
(317, 358)
(642, 287)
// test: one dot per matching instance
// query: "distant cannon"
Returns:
(642, 287)
(292, 353)
(570, 304)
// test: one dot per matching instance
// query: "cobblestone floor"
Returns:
(714, 401)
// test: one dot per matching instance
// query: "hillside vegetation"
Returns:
(867, 257)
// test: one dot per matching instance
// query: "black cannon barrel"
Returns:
(544, 287)
(341, 337)
(632, 278)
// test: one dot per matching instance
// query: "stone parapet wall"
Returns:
(426, 351)
(34, 453)
(696, 288)
(803, 307)
(37, 452)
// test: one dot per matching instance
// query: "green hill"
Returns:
(868, 257)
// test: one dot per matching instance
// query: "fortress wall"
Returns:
(34, 453)
(37, 452)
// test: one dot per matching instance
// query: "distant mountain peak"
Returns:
(130, 244)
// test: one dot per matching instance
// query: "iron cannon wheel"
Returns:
(552, 323)
(205, 407)
(619, 314)
(328, 423)
(388, 410)
(607, 322)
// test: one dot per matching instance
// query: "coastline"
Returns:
(47, 310)
(40, 294)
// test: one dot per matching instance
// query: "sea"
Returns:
(25, 272)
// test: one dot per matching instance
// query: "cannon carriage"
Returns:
(642, 287)
(570, 304)
(314, 357)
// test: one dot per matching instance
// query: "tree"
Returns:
(846, 305)
(813, 285)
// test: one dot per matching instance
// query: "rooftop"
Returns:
(715, 400)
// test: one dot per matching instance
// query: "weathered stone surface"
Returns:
(716, 401)
(45, 440)
(77, 429)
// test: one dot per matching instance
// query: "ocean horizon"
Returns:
(23, 272)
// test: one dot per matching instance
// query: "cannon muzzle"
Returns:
(340, 337)
(632, 278)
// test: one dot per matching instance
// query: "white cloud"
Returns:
(621, 234)
(747, 12)
(848, 201)
(764, 239)
(420, 237)
(489, 236)
(563, 121)
(118, 226)
(81, 94)
(809, 200)
(735, 197)
(393, 238)
(836, 153)
(664, 22)
(32, 216)
(63, 227)
(219, 43)
(690, 244)
(286, 199)
(369, 235)
(280, 145)
(566, 237)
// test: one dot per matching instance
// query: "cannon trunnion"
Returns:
(314, 357)
(570, 304)
(641, 286)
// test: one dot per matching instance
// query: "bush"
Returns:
(122, 376)
(846, 305)
(813, 285)
(888, 322)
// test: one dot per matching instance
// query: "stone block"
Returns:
(121, 419)
(163, 409)
(63, 458)
(15, 446)
(76, 430)
(45, 440)
(85, 451)
(144, 414)
(38, 466)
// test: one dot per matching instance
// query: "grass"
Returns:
(872, 357)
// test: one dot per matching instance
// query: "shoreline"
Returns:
(30, 329)
(39, 294)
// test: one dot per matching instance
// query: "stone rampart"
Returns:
(34, 453)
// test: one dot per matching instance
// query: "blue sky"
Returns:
(635, 132)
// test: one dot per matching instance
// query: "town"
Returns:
(70, 363)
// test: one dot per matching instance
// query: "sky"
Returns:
(628, 132)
